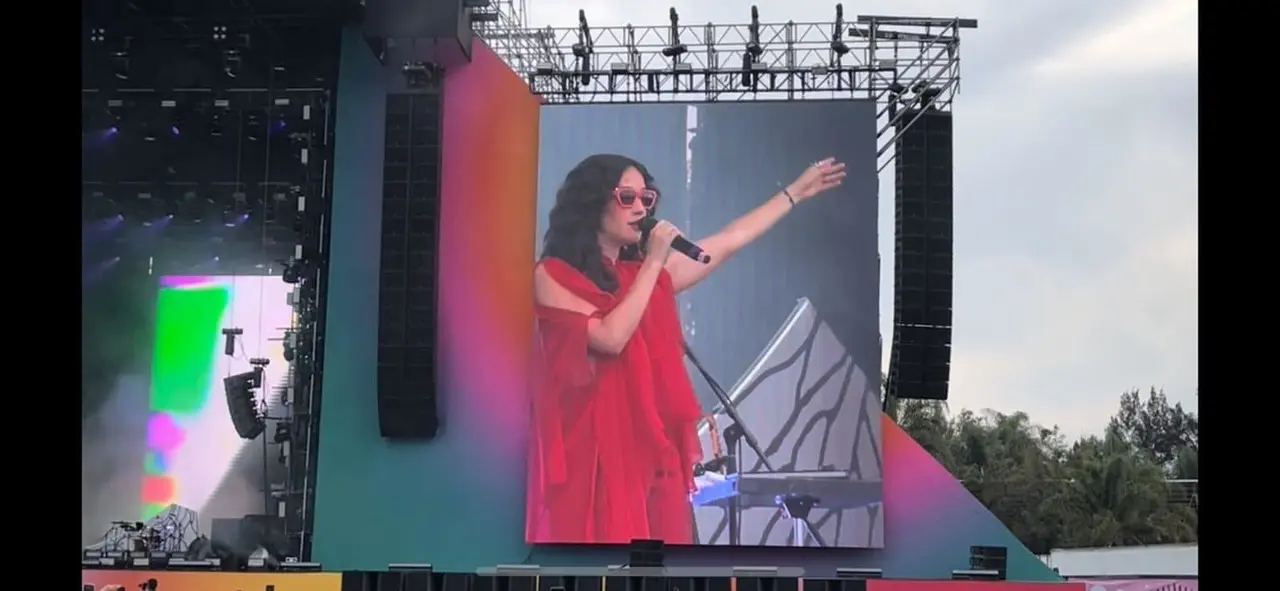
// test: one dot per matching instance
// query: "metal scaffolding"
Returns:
(503, 27)
(907, 64)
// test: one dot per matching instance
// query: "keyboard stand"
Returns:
(797, 507)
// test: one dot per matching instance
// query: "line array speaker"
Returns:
(408, 275)
(920, 358)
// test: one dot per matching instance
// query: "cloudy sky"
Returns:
(1076, 208)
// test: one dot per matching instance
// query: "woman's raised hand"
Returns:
(821, 176)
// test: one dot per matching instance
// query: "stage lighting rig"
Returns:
(847, 58)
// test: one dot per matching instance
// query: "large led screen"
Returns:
(630, 439)
(185, 451)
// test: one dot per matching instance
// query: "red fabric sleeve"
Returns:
(607, 429)
(561, 365)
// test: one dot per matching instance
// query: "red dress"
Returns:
(614, 437)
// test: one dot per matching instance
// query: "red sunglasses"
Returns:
(627, 197)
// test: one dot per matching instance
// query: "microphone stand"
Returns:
(734, 436)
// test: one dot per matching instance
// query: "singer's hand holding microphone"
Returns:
(665, 237)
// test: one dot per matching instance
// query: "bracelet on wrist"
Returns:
(790, 198)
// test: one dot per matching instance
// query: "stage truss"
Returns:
(906, 64)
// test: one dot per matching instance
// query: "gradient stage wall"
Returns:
(450, 502)
(457, 502)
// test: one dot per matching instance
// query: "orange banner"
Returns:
(212, 581)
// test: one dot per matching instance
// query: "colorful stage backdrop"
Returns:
(440, 501)
(191, 444)
(457, 502)
(184, 449)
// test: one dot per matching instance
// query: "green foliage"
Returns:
(1128, 487)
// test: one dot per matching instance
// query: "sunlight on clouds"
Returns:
(1155, 34)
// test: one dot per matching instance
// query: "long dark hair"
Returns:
(574, 222)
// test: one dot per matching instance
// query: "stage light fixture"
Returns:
(928, 96)
(231, 62)
(229, 340)
(975, 575)
(215, 122)
(290, 345)
(583, 49)
(418, 75)
(293, 271)
(120, 64)
(283, 432)
(753, 34)
(859, 574)
(837, 35)
(674, 48)
(173, 116)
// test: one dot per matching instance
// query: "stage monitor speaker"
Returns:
(920, 358)
(989, 558)
(408, 277)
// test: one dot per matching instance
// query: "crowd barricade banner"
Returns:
(131, 580)
(892, 585)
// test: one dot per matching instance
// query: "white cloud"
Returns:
(1077, 235)
(1152, 34)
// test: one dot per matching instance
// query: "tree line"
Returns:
(1134, 485)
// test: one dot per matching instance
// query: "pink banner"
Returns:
(883, 585)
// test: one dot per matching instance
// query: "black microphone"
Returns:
(680, 244)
